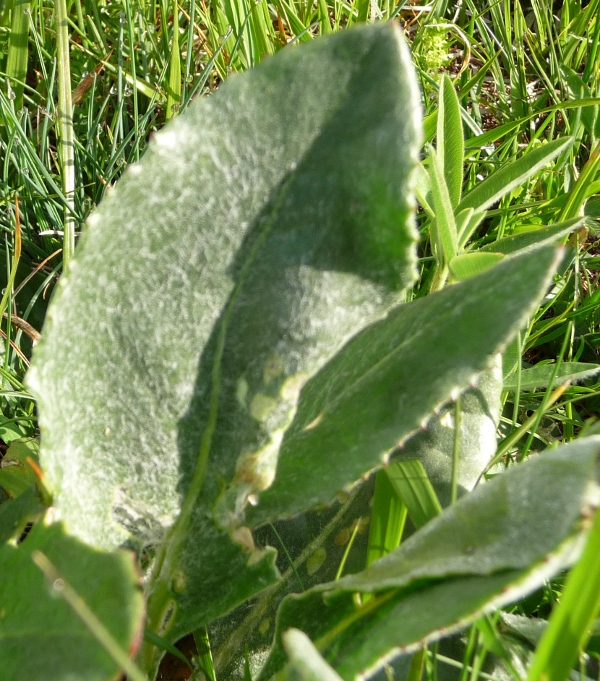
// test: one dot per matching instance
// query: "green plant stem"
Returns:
(66, 133)
(287, 555)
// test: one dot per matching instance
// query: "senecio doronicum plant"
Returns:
(233, 344)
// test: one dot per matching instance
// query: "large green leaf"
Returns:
(386, 382)
(264, 228)
(493, 546)
(41, 637)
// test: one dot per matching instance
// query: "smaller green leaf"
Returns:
(492, 547)
(511, 175)
(15, 512)
(306, 663)
(410, 481)
(468, 265)
(444, 226)
(41, 637)
(385, 383)
(540, 376)
(536, 236)
(450, 139)
(16, 473)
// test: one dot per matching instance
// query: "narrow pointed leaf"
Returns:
(17, 58)
(468, 265)
(422, 189)
(40, 636)
(495, 545)
(450, 140)
(265, 227)
(388, 517)
(387, 381)
(467, 221)
(173, 84)
(443, 225)
(409, 480)
(532, 237)
(541, 375)
(510, 176)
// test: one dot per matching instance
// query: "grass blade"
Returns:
(411, 483)
(387, 519)
(572, 620)
(174, 85)
(16, 60)
(65, 129)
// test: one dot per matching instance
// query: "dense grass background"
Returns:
(525, 73)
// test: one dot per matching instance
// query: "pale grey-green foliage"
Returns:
(388, 380)
(232, 330)
(263, 229)
(492, 547)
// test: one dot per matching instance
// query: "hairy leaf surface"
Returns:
(387, 381)
(493, 546)
(264, 228)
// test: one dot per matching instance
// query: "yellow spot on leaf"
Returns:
(315, 562)
(261, 406)
(243, 537)
(179, 581)
(273, 369)
(290, 390)
(342, 537)
(241, 392)
(315, 422)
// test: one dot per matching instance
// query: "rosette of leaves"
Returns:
(231, 342)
